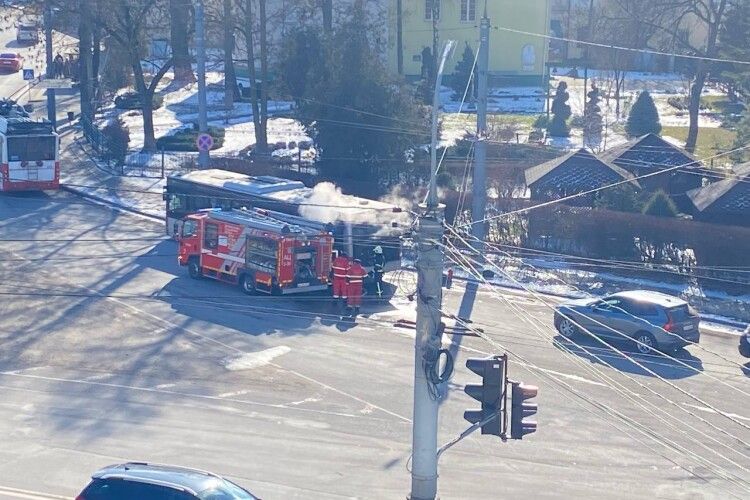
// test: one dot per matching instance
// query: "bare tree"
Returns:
(259, 103)
(231, 92)
(679, 21)
(125, 23)
(179, 29)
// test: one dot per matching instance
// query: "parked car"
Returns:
(132, 100)
(143, 481)
(11, 62)
(653, 320)
(744, 346)
(27, 32)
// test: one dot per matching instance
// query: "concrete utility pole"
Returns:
(479, 183)
(200, 42)
(586, 56)
(427, 342)
(50, 71)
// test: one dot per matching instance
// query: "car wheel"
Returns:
(567, 329)
(645, 343)
(247, 284)
(194, 269)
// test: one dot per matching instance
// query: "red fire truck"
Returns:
(255, 250)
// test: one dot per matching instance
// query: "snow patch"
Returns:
(252, 360)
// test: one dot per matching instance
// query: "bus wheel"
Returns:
(194, 269)
(247, 284)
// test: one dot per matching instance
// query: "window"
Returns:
(528, 57)
(428, 5)
(211, 236)
(31, 148)
(468, 10)
(189, 228)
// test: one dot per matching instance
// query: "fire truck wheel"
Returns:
(194, 269)
(247, 284)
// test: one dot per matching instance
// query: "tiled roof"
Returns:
(730, 195)
(577, 168)
(649, 152)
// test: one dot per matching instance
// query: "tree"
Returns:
(125, 23)
(231, 91)
(301, 52)
(733, 45)
(326, 7)
(357, 114)
(593, 122)
(622, 198)
(463, 74)
(679, 21)
(644, 117)
(179, 22)
(558, 125)
(660, 205)
(259, 103)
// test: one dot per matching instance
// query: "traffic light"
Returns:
(490, 393)
(520, 410)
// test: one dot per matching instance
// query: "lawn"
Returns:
(711, 141)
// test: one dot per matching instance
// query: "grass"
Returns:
(711, 141)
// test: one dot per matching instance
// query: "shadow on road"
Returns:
(746, 369)
(683, 365)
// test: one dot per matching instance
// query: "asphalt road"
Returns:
(109, 352)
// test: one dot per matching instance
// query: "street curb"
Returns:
(109, 203)
(704, 329)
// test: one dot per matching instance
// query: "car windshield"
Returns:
(227, 490)
(681, 313)
(7, 56)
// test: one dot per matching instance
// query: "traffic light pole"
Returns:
(479, 179)
(427, 342)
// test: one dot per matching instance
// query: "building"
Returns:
(575, 173)
(726, 201)
(514, 59)
(650, 154)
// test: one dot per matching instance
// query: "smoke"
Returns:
(327, 203)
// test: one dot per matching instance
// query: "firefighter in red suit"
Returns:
(339, 267)
(355, 278)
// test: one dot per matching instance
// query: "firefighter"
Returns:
(378, 269)
(339, 267)
(355, 277)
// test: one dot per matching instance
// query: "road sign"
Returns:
(204, 142)
(28, 74)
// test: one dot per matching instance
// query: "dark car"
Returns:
(143, 481)
(744, 346)
(132, 100)
(653, 320)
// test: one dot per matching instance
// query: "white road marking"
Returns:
(24, 370)
(251, 360)
(710, 410)
(164, 386)
(234, 394)
(7, 491)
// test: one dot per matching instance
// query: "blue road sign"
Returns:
(28, 74)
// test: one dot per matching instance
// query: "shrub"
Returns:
(644, 117)
(116, 140)
(184, 140)
(660, 205)
(541, 121)
(622, 198)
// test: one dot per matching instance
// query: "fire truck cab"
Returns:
(256, 251)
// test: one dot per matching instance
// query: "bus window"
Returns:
(176, 203)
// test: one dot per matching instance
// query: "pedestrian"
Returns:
(340, 266)
(58, 62)
(355, 277)
(378, 268)
(66, 68)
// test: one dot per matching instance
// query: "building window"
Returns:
(528, 57)
(468, 10)
(428, 9)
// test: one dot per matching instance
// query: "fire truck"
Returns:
(29, 155)
(255, 250)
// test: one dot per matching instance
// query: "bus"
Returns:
(358, 224)
(29, 155)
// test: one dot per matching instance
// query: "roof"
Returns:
(704, 197)
(25, 126)
(241, 183)
(260, 219)
(192, 479)
(650, 152)
(581, 157)
(658, 298)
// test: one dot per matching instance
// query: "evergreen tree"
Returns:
(643, 118)
(593, 123)
(733, 44)
(558, 126)
(463, 74)
(660, 205)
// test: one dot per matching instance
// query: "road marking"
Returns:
(234, 394)
(710, 410)
(22, 370)
(251, 360)
(29, 495)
